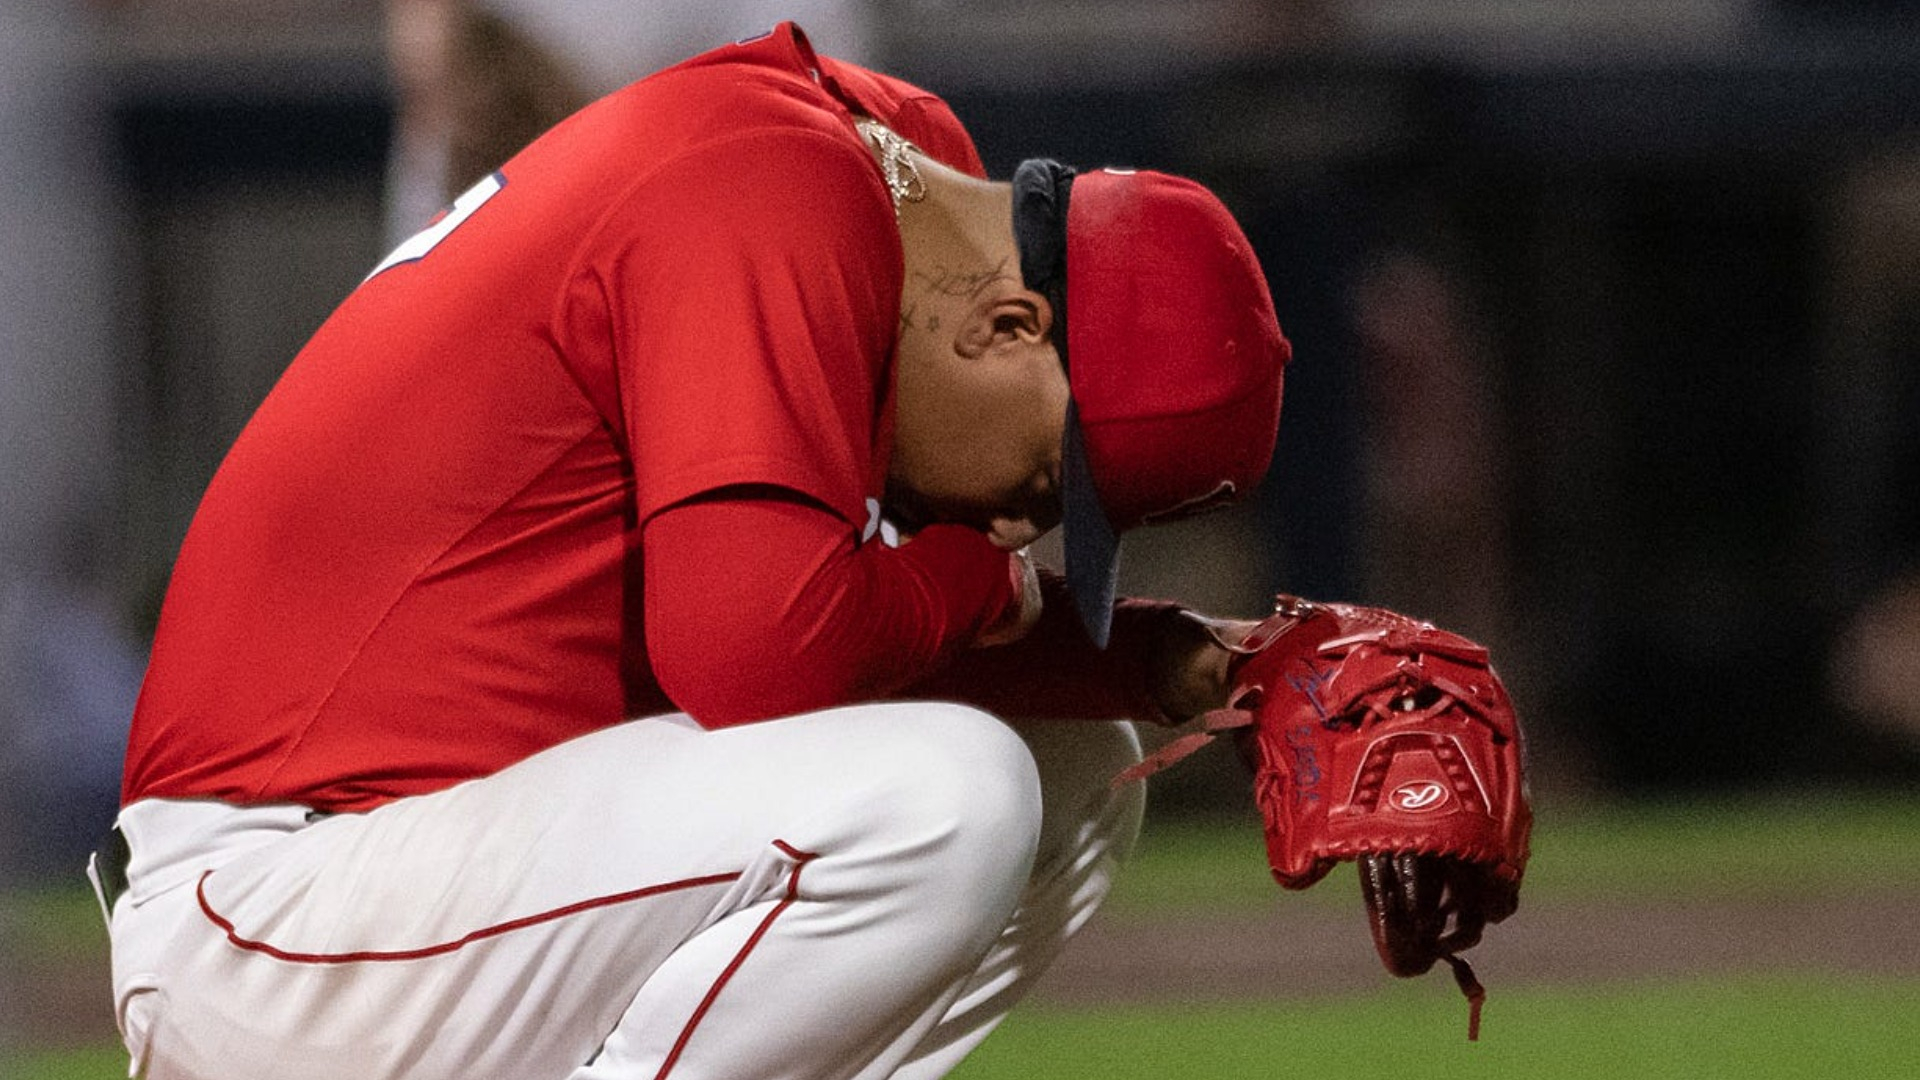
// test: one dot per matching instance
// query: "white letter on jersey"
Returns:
(417, 245)
(888, 533)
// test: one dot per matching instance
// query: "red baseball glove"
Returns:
(1385, 740)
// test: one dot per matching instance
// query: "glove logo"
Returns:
(1419, 797)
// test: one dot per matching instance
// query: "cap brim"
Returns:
(1092, 546)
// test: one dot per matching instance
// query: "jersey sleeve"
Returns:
(1056, 672)
(751, 292)
(761, 605)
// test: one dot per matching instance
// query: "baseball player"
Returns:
(609, 653)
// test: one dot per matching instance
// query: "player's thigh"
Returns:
(512, 918)
(654, 817)
(665, 792)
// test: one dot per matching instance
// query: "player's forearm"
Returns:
(1056, 672)
(764, 607)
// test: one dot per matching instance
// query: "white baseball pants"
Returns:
(861, 892)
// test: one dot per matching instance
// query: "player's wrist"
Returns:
(1023, 606)
(992, 596)
(1188, 667)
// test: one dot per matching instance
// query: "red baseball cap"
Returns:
(1174, 358)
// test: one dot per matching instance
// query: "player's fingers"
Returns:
(1013, 534)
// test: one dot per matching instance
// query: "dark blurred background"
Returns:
(1606, 316)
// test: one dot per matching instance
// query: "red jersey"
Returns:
(419, 562)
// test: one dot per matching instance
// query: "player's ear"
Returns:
(1016, 316)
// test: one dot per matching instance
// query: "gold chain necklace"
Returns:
(896, 166)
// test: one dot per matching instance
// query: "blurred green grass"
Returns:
(102, 1063)
(1723, 1029)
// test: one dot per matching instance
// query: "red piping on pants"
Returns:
(446, 946)
(801, 858)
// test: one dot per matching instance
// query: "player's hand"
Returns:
(1014, 534)
(1192, 662)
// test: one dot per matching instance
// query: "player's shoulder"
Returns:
(779, 76)
(773, 77)
(668, 123)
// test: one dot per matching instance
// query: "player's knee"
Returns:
(978, 770)
(968, 789)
